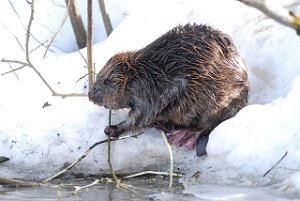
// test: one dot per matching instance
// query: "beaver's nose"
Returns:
(91, 95)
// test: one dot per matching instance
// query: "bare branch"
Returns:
(16, 61)
(58, 30)
(28, 32)
(13, 70)
(29, 64)
(276, 12)
(62, 95)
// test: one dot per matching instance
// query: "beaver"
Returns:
(186, 82)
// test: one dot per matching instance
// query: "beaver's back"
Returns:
(201, 66)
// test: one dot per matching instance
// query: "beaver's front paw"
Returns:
(112, 131)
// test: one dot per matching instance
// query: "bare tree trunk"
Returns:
(89, 44)
(105, 17)
(77, 23)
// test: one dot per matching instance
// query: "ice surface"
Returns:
(39, 141)
(215, 192)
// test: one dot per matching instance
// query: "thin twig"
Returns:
(58, 30)
(27, 50)
(37, 47)
(276, 164)
(28, 32)
(81, 78)
(13, 69)
(16, 61)
(82, 56)
(86, 62)
(69, 95)
(78, 188)
(44, 80)
(152, 172)
(171, 157)
(125, 186)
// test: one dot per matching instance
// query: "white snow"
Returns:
(39, 140)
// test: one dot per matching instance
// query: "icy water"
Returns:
(141, 189)
(135, 189)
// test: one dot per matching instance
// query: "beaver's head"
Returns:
(109, 89)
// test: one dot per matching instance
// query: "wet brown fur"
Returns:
(190, 77)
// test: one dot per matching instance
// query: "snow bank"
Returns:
(258, 136)
(39, 140)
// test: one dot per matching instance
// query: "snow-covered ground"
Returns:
(38, 141)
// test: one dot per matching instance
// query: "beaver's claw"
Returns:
(112, 131)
